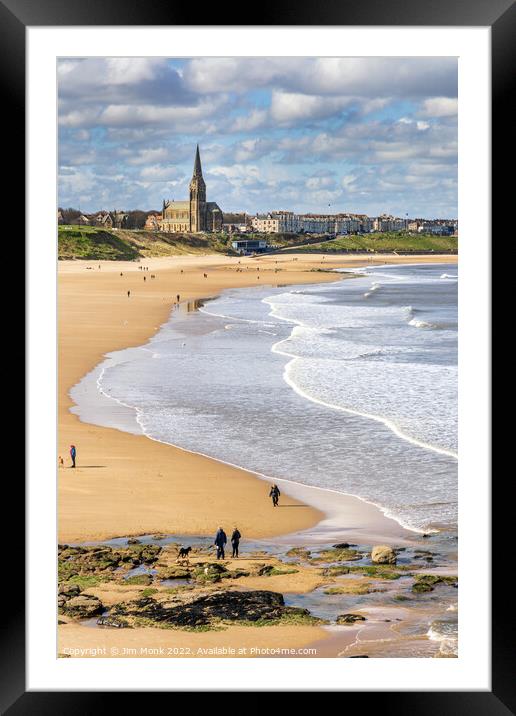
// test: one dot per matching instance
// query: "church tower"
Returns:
(197, 197)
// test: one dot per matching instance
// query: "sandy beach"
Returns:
(126, 484)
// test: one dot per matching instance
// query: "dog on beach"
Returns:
(183, 556)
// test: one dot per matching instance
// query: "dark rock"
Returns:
(201, 611)
(350, 618)
(358, 656)
(133, 540)
(239, 573)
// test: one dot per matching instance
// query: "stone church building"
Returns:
(196, 214)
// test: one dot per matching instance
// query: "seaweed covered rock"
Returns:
(201, 611)
(83, 606)
(210, 572)
(350, 618)
(173, 572)
(69, 590)
(427, 582)
(81, 561)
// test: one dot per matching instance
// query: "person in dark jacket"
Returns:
(220, 543)
(73, 454)
(235, 541)
(274, 493)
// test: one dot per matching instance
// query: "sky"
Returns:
(367, 135)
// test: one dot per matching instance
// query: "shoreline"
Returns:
(137, 499)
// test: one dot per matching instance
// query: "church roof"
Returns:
(178, 205)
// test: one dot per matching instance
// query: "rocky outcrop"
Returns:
(69, 590)
(382, 554)
(210, 572)
(427, 582)
(350, 618)
(173, 572)
(211, 608)
(80, 561)
(83, 606)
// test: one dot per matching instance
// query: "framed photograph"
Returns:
(258, 435)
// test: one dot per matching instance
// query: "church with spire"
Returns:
(195, 215)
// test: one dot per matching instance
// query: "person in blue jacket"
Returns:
(220, 542)
(73, 454)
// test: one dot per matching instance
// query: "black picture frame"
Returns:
(500, 16)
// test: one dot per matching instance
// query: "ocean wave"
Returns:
(421, 324)
(445, 631)
(341, 355)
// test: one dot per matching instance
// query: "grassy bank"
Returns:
(95, 243)
(382, 242)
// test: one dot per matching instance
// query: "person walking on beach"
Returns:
(178, 297)
(274, 493)
(73, 454)
(128, 294)
(220, 543)
(235, 541)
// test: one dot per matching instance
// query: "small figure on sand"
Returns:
(145, 278)
(60, 461)
(220, 542)
(178, 297)
(73, 454)
(128, 294)
(235, 541)
(274, 493)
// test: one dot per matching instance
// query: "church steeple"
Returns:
(197, 170)
(197, 197)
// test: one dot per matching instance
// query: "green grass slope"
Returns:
(94, 243)
(383, 242)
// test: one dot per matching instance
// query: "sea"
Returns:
(349, 386)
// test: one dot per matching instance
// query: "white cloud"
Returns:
(288, 107)
(158, 173)
(439, 107)
(245, 123)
